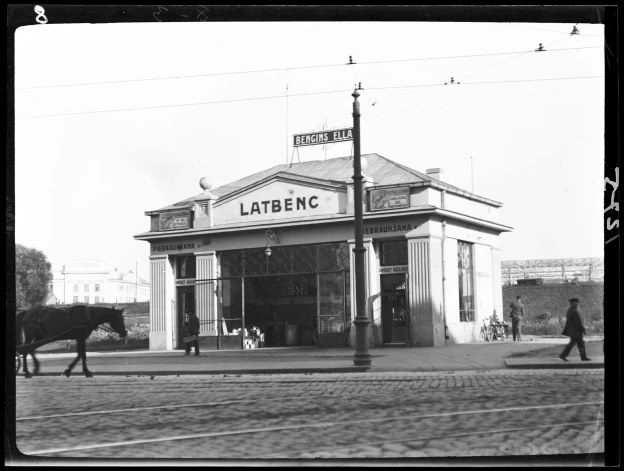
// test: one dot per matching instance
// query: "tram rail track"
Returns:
(333, 424)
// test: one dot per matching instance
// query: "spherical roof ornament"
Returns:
(205, 183)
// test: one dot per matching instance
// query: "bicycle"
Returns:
(487, 332)
(499, 330)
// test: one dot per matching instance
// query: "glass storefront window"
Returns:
(466, 282)
(332, 316)
(394, 252)
(186, 267)
(287, 259)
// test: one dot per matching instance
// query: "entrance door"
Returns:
(186, 305)
(394, 308)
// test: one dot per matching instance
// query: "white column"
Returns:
(425, 292)
(162, 310)
(205, 291)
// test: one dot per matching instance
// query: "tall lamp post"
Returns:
(362, 355)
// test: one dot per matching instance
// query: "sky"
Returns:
(112, 120)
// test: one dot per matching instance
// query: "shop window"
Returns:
(86, 299)
(465, 267)
(284, 260)
(332, 315)
(97, 299)
(394, 252)
(186, 267)
(75, 298)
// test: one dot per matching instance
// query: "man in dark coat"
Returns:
(516, 314)
(574, 329)
(192, 327)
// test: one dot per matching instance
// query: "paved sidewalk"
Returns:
(475, 356)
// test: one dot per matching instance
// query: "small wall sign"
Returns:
(393, 198)
(174, 220)
(185, 281)
(393, 269)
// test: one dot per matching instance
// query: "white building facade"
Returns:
(271, 254)
(92, 282)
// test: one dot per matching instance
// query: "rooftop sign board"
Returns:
(389, 199)
(175, 220)
(324, 137)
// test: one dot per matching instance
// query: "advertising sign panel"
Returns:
(175, 220)
(393, 198)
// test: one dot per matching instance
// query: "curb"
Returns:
(545, 363)
(287, 371)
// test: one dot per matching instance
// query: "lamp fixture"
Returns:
(270, 237)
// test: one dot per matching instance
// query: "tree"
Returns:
(33, 272)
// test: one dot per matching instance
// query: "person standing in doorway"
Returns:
(575, 330)
(516, 314)
(192, 327)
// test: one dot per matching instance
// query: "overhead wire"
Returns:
(478, 101)
(285, 69)
(521, 54)
(299, 95)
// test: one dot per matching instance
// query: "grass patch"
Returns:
(545, 306)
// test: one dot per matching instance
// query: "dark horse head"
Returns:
(117, 323)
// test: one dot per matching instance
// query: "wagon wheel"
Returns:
(490, 333)
(482, 336)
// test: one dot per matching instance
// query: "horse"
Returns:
(41, 325)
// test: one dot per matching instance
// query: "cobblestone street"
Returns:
(360, 415)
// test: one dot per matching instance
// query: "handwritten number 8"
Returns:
(41, 18)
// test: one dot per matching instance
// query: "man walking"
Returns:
(192, 327)
(517, 313)
(574, 329)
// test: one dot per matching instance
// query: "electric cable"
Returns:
(282, 69)
(290, 96)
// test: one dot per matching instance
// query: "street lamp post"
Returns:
(362, 355)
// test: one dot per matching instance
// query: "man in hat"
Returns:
(574, 329)
(517, 313)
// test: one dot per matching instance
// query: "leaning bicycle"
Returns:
(487, 332)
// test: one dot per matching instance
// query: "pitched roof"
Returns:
(383, 171)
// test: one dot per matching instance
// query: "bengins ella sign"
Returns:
(324, 137)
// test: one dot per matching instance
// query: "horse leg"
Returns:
(82, 349)
(25, 368)
(36, 362)
(67, 372)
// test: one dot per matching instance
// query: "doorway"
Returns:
(186, 305)
(394, 314)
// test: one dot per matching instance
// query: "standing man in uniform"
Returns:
(192, 327)
(574, 329)
(517, 313)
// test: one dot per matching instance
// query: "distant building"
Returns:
(92, 282)
(558, 270)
